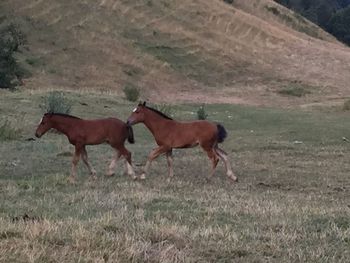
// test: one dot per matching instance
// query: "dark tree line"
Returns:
(333, 16)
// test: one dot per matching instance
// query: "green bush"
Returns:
(296, 90)
(201, 113)
(167, 109)
(346, 105)
(8, 132)
(131, 93)
(56, 102)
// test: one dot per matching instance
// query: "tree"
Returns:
(11, 38)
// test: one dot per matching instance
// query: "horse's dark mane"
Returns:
(63, 115)
(159, 112)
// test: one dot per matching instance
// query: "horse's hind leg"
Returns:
(214, 160)
(84, 156)
(169, 158)
(127, 156)
(223, 156)
(113, 163)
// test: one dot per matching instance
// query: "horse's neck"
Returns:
(153, 122)
(62, 124)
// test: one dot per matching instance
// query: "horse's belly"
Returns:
(188, 144)
(94, 140)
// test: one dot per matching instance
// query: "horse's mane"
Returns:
(159, 112)
(62, 114)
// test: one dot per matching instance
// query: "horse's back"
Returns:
(199, 125)
(190, 133)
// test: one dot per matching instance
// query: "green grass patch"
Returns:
(289, 195)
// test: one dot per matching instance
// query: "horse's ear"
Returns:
(140, 103)
(144, 103)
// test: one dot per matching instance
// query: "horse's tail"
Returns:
(130, 134)
(222, 133)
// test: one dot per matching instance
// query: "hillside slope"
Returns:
(189, 50)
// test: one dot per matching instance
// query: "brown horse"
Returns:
(90, 132)
(170, 134)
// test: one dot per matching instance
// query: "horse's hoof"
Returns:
(71, 180)
(134, 177)
(208, 179)
(233, 179)
(93, 177)
(142, 176)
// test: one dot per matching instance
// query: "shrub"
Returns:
(56, 102)
(167, 109)
(201, 113)
(131, 92)
(273, 10)
(33, 61)
(295, 90)
(8, 132)
(346, 105)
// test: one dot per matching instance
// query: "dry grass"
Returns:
(204, 51)
(290, 205)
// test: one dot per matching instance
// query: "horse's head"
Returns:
(45, 124)
(137, 115)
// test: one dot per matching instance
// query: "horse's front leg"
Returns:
(113, 163)
(153, 155)
(75, 160)
(86, 161)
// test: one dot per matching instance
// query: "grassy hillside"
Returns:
(189, 50)
(290, 205)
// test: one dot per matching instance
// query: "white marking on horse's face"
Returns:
(40, 121)
(134, 110)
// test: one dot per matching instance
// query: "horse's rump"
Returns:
(222, 133)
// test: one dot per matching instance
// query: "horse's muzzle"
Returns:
(37, 135)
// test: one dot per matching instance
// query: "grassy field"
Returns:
(291, 203)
